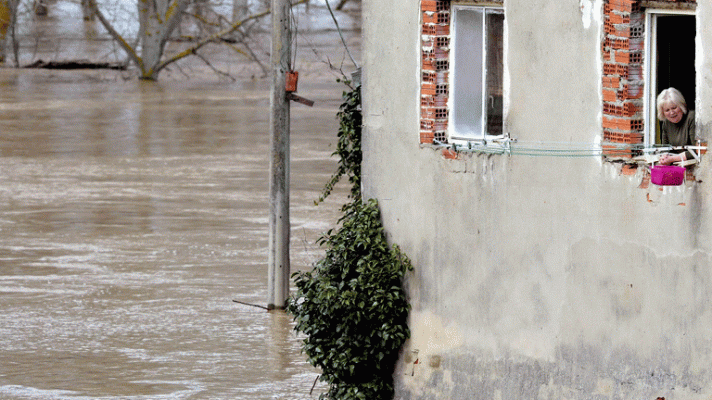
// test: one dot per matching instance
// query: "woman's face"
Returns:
(672, 112)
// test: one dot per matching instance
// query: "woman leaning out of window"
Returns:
(677, 125)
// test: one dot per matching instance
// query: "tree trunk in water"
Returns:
(157, 20)
(8, 10)
(5, 19)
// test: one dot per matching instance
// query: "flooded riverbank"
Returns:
(131, 215)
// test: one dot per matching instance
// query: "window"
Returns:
(669, 62)
(476, 73)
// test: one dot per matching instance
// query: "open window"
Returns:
(669, 62)
(476, 73)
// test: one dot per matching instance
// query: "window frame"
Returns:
(483, 135)
(650, 68)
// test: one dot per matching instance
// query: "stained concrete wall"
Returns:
(538, 277)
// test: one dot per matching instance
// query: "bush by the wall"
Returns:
(352, 307)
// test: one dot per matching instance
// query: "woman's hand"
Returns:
(668, 159)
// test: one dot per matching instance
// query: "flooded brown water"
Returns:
(131, 215)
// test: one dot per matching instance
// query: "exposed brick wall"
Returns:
(434, 90)
(622, 51)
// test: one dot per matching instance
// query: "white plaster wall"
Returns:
(537, 277)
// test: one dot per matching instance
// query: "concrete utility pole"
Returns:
(280, 59)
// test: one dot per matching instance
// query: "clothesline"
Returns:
(557, 149)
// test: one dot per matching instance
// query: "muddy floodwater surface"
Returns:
(132, 214)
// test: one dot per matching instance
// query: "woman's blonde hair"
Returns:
(667, 96)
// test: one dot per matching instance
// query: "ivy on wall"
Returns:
(348, 147)
(352, 306)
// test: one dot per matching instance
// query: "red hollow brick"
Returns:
(612, 69)
(620, 44)
(425, 91)
(628, 57)
(637, 31)
(436, 30)
(609, 69)
(427, 101)
(429, 65)
(626, 110)
(621, 56)
(610, 123)
(623, 5)
(611, 82)
(607, 26)
(434, 5)
(636, 57)
(617, 152)
(623, 137)
(609, 95)
(618, 19)
(442, 65)
(430, 77)
(436, 17)
(426, 137)
(428, 5)
(433, 112)
(442, 41)
(427, 112)
(442, 89)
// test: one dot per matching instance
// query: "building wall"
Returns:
(538, 276)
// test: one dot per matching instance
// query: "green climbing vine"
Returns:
(351, 306)
(348, 147)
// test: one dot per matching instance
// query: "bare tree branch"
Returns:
(340, 34)
(212, 38)
(116, 35)
(252, 56)
(341, 4)
(217, 71)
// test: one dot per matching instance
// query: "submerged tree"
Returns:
(158, 20)
(8, 15)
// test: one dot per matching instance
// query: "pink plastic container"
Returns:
(667, 175)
